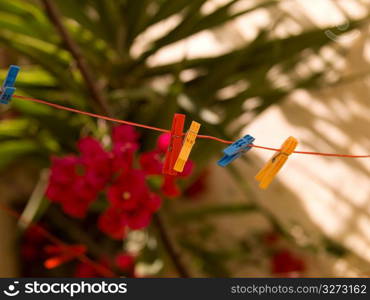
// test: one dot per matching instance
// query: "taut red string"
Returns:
(61, 107)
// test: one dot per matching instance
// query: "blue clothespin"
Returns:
(8, 89)
(235, 150)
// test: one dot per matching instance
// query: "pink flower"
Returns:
(188, 169)
(62, 177)
(139, 219)
(124, 134)
(76, 181)
(128, 189)
(91, 149)
(64, 169)
(98, 175)
(113, 223)
(56, 192)
(75, 194)
(151, 162)
(133, 201)
(83, 190)
(74, 207)
(78, 199)
(141, 216)
(163, 142)
(126, 263)
(97, 163)
(154, 202)
(123, 157)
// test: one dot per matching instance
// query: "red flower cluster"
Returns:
(76, 181)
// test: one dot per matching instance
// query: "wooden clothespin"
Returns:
(235, 150)
(273, 166)
(8, 89)
(175, 145)
(188, 144)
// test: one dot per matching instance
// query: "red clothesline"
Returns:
(167, 131)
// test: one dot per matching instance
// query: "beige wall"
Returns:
(320, 194)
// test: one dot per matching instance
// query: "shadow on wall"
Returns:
(329, 194)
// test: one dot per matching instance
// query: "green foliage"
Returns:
(12, 150)
(214, 210)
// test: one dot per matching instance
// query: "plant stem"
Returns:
(214, 210)
(167, 243)
(95, 92)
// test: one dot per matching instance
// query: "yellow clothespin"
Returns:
(188, 144)
(273, 166)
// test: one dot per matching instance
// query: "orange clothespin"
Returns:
(189, 142)
(175, 144)
(273, 166)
